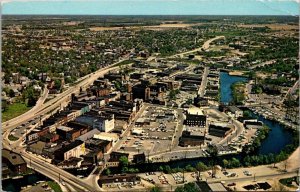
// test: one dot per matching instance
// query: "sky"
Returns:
(150, 7)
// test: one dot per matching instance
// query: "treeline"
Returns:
(238, 94)
(276, 48)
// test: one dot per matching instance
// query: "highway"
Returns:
(39, 103)
(58, 100)
(203, 47)
(203, 85)
(72, 183)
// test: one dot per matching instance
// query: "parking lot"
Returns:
(152, 132)
(21, 130)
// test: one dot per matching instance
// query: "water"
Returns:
(14, 185)
(278, 137)
(226, 81)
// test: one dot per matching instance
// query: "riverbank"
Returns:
(26, 182)
(260, 173)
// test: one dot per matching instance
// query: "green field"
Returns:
(14, 110)
(54, 186)
(12, 138)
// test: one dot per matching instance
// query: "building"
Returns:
(236, 111)
(189, 139)
(37, 147)
(15, 163)
(194, 117)
(120, 179)
(63, 131)
(74, 149)
(220, 129)
(88, 135)
(112, 137)
(203, 186)
(139, 158)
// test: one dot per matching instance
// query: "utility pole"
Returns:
(254, 177)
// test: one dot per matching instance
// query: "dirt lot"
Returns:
(154, 27)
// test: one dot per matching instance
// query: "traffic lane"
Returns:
(52, 175)
(56, 172)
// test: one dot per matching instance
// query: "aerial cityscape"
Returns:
(160, 102)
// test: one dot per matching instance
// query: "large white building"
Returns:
(102, 123)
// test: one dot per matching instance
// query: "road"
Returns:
(56, 102)
(203, 47)
(291, 90)
(72, 182)
(270, 62)
(203, 85)
(39, 103)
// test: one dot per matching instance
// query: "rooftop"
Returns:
(195, 111)
(64, 128)
(13, 158)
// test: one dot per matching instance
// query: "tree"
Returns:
(107, 172)
(235, 162)
(57, 84)
(189, 187)
(225, 163)
(161, 168)
(123, 161)
(155, 189)
(189, 168)
(168, 169)
(11, 93)
(200, 167)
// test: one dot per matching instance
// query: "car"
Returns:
(231, 184)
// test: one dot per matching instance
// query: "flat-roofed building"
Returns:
(74, 149)
(194, 117)
(14, 161)
(220, 129)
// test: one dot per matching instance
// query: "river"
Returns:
(276, 140)
(278, 137)
(14, 185)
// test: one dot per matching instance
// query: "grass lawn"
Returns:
(14, 110)
(54, 186)
(288, 181)
(12, 138)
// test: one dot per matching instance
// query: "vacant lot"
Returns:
(14, 110)
(153, 27)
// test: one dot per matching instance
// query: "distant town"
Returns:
(172, 103)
